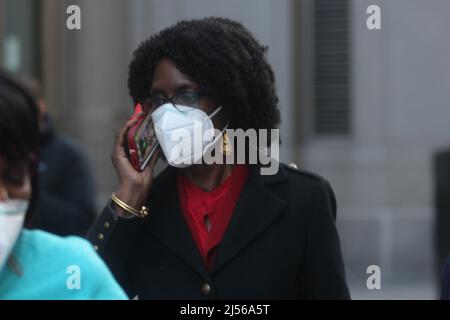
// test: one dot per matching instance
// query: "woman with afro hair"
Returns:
(216, 230)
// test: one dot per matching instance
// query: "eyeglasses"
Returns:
(187, 98)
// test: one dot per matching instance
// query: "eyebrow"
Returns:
(180, 88)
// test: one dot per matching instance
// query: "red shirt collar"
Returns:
(218, 204)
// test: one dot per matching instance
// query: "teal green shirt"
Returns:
(52, 267)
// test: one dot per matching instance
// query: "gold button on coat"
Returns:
(206, 288)
(293, 165)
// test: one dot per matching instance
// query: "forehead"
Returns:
(167, 78)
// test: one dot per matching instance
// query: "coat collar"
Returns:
(255, 211)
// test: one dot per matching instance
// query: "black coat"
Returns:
(445, 293)
(442, 206)
(281, 243)
(66, 203)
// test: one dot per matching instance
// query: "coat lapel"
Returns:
(256, 210)
(168, 225)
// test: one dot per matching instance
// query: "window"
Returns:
(20, 36)
(332, 98)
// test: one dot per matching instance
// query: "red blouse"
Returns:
(213, 209)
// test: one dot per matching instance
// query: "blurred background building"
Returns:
(367, 109)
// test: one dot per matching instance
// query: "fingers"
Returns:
(136, 116)
(121, 136)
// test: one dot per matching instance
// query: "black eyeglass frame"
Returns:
(149, 103)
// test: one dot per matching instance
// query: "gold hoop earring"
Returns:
(226, 147)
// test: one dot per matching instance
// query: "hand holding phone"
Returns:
(141, 139)
(134, 184)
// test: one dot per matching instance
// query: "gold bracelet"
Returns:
(141, 213)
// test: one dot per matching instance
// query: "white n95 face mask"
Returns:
(12, 216)
(184, 133)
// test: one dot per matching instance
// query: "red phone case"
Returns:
(132, 147)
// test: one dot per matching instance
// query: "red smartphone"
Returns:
(141, 139)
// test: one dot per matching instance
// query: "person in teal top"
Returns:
(35, 264)
(45, 266)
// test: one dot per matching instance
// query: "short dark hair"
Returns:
(224, 58)
(19, 129)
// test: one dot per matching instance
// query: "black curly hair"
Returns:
(19, 132)
(223, 58)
